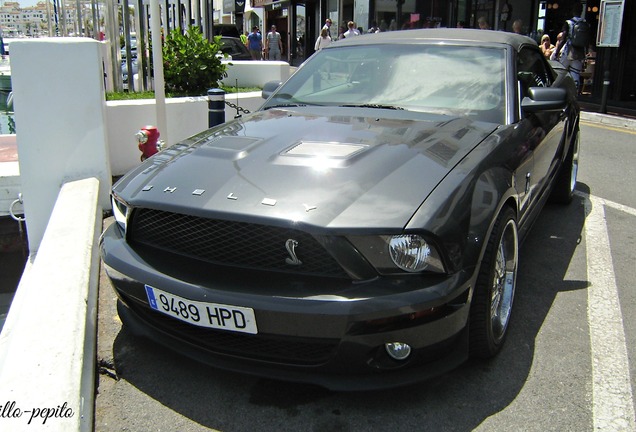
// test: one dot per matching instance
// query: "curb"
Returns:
(609, 120)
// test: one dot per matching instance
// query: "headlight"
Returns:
(412, 253)
(120, 211)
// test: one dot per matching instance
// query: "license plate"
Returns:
(202, 314)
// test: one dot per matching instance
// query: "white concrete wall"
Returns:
(47, 344)
(186, 116)
(60, 111)
(255, 73)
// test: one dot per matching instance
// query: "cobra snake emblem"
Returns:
(290, 245)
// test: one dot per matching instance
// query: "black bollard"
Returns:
(606, 84)
(216, 107)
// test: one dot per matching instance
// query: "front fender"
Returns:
(460, 213)
(493, 191)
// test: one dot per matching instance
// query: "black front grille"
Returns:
(231, 243)
(278, 349)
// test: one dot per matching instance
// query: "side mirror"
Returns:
(269, 88)
(544, 99)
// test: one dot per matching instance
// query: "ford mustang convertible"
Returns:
(361, 229)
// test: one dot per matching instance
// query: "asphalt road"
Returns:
(569, 363)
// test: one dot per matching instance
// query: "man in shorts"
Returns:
(255, 43)
(274, 44)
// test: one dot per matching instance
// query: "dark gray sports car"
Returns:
(361, 230)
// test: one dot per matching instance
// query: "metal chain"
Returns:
(236, 107)
(20, 220)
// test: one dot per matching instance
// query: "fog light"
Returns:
(398, 350)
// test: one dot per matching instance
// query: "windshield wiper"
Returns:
(379, 106)
(285, 105)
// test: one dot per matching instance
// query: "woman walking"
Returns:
(323, 40)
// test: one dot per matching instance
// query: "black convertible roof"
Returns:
(441, 35)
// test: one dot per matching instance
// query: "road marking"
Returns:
(616, 206)
(612, 400)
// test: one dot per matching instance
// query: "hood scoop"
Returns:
(327, 150)
(228, 147)
(321, 154)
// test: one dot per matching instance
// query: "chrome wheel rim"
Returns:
(575, 164)
(504, 281)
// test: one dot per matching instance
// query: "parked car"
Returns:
(362, 228)
(235, 48)
(226, 30)
(124, 71)
(133, 48)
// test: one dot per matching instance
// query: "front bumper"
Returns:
(336, 340)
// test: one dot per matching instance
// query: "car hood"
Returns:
(319, 167)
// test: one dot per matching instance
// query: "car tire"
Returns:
(565, 183)
(493, 297)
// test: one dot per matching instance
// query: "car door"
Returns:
(543, 131)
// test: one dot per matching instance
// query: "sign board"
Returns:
(610, 23)
(236, 6)
(263, 3)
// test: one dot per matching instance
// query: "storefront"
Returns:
(608, 80)
(295, 20)
(391, 15)
(610, 65)
(236, 8)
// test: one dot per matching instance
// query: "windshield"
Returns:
(453, 80)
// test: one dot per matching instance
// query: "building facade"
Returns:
(46, 18)
(17, 21)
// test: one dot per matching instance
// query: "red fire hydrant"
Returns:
(148, 141)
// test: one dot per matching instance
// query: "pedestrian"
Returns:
(255, 43)
(352, 30)
(244, 39)
(516, 26)
(374, 28)
(323, 40)
(546, 46)
(483, 24)
(327, 27)
(274, 44)
(559, 40)
(341, 31)
(569, 54)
